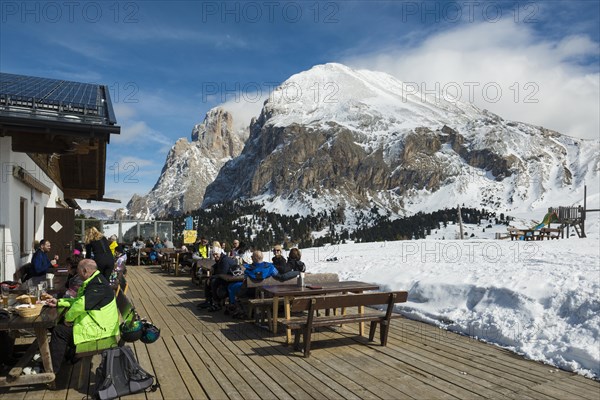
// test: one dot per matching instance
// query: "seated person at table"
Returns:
(237, 250)
(223, 265)
(91, 316)
(74, 281)
(294, 263)
(40, 261)
(200, 251)
(290, 269)
(278, 259)
(256, 271)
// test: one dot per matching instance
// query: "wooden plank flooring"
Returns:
(203, 355)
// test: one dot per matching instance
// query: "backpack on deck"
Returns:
(120, 374)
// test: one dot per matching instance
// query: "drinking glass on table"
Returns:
(41, 289)
(32, 291)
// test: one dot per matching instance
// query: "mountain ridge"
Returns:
(383, 144)
(333, 137)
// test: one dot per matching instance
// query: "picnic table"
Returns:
(534, 234)
(41, 325)
(170, 259)
(288, 292)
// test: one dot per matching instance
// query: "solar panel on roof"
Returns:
(45, 90)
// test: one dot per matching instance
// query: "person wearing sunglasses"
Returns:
(278, 259)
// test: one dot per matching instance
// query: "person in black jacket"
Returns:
(224, 265)
(98, 249)
(294, 263)
(278, 259)
(292, 268)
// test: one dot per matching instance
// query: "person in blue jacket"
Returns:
(40, 260)
(256, 271)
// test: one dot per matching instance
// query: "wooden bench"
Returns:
(165, 259)
(262, 308)
(304, 325)
(122, 286)
(551, 233)
(144, 257)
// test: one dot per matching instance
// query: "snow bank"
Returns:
(539, 299)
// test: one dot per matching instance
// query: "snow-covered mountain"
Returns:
(190, 167)
(334, 136)
(103, 214)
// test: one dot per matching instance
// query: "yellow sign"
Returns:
(189, 237)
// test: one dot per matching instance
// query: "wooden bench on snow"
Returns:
(303, 325)
(551, 233)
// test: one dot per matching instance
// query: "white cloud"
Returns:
(542, 81)
(123, 111)
(245, 107)
(139, 131)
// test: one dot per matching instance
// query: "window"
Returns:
(22, 226)
(35, 209)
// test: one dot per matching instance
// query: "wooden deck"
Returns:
(203, 355)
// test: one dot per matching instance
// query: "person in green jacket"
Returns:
(91, 316)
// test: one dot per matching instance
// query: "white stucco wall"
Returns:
(11, 192)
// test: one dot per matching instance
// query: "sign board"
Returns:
(189, 237)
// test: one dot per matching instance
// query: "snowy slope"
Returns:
(539, 299)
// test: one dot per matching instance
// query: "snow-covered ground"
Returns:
(539, 299)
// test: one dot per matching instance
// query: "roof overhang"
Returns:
(72, 154)
(66, 139)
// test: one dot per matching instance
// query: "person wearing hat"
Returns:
(91, 316)
(224, 265)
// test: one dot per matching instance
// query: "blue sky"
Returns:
(167, 63)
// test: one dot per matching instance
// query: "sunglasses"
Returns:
(276, 251)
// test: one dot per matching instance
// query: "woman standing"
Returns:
(98, 249)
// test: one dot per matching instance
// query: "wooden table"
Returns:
(59, 286)
(41, 325)
(177, 253)
(288, 292)
(205, 264)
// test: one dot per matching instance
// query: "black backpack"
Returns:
(120, 374)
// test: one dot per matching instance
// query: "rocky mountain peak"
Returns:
(333, 135)
(190, 167)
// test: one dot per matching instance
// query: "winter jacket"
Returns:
(100, 249)
(203, 251)
(260, 271)
(225, 265)
(93, 312)
(113, 246)
(279, 263)
(295, 265)
(41, 263)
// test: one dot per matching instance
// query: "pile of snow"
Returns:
(538, 299)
